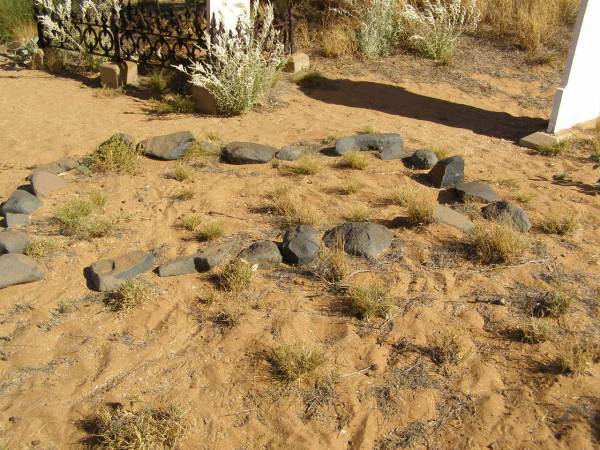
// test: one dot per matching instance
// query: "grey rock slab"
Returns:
(19, 269)
(264, 253)
(12, 241)
(477, 191)
(179, 266)
(108, 274)
(59, 166)
(248, 153)
(289, 153)
(20, 202)
(213, 256)
(301, 245)
(505, 211)
(13, 220)
(421, 159)
(448, 172)
(388, 145)
(45, 183)
(360, 238)
(168, 147)
(448, 216)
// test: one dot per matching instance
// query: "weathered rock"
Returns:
(18, 269)
(168, 147)
(213, 256)
(476, 191)
(505, 211)
(422, 159)
(448, 172)
(248, 153)
(264, 253)
(109, 274)
(45, 183)
(360, 238)
(13, 220)
(289, 153)
(20, 202)
(301, 244)
(450, 217)
(388, 145)
(59, 166)
(13, 241)
(179, 266)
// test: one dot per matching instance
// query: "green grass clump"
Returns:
(147, 428)
(211, 231)
(554, 150)
(191, 222)
(370, 300)
(129, 295)
(15, 17)
(159, 80)
(354, 160)
(305, 165)
(42, 248)
(175, 104)
(296, 361)
(235, 276)
(78, 218)
(115, 155)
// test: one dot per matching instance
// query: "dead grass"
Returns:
(534, 330)
(496, 242)
(191, 222)
(350, 186)
(561, 223)
(338, 39)
(305, 165)
(295, 362)
(575, 357)
(105, 91)
(147, 428)
(371, 300)
(129, 295)
(354, 160)
(333, 264)
(115, 155)
(211, 231)
(554, 303)
(420, 203)
(235, 276)
(359, 214)
(42, 248)
(184, 195)
(287, 203)
(449, 349)
(554, 150)
(181, 173)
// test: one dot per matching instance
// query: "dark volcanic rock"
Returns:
(20, 202)
(18, 269)
(448, 172)
(247, 153)
(421, 159)
(360, 238)
(388, 145)
(301, 244)
(289, 153)
(203, 261)
(59, 166)
(179, 266)
(45, 183)
(13, 241)
(505, 211)
(264, 253)
(168, 147)
(109, 274)
(476, 191)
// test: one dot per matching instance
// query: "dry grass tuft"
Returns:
(333, 264)
(554, 303)
(43, 248)
(497, 242)
(236, 276)
(159, 80)
(359, 214)
(305, 165)
(184, 195)
(370, 300)
(420, 203)
(449, 349)
(115, 155)
(554, 150)
(354, 160)
(296, 361)
(147, 428)
(211, 231)
(173, 104)
(78, 218)
(181, 173)
(288, 204)
(575, 357)
(338, 39)
(561, 223)
(350, 186)
(129, 295)
(534, 330)
(191, 222)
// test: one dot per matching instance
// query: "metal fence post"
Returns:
(115, 29)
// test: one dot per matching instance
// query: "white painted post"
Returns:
(228, 12)
(577, 100)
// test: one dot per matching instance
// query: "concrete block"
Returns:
(542, 139)
(297, 62)
(204, 100)
(116, 75)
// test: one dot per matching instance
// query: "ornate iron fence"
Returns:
(162, 34)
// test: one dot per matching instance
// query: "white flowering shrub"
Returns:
(434, 28)
(240, 69)
(378, 28)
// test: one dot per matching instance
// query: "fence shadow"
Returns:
(397, 100)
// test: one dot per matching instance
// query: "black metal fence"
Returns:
(158, 34)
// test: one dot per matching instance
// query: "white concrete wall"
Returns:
(577, 100)
(228, 12)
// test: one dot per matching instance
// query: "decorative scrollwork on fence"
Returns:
(160, 35)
